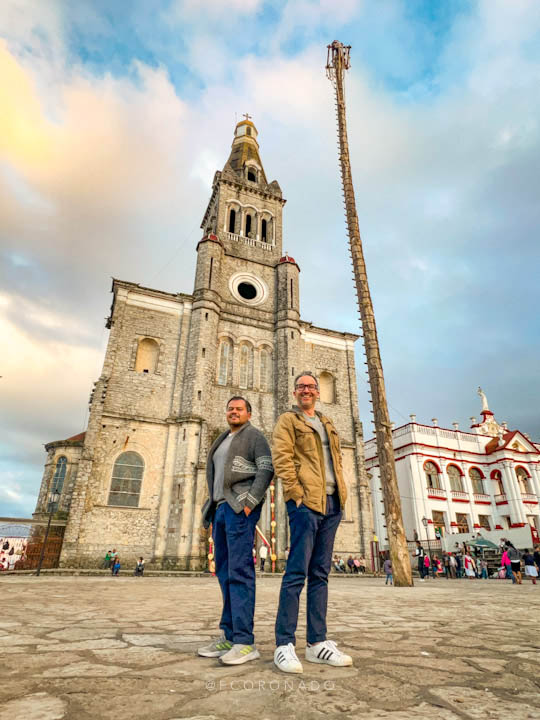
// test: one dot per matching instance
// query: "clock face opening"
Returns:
(247, 291)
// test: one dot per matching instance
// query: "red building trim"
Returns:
(498, 527)
(460, 500)
(437, 497)
(502, 502)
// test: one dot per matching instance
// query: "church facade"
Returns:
(135, 480)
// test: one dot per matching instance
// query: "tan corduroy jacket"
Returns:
(298, 460)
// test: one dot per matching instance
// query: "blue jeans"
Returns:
(389, 578)
(310, 555)
(233, 544)
(509, 574)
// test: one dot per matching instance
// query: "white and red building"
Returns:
(485, 479)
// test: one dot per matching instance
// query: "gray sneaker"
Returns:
(217, 647)
(239, 654)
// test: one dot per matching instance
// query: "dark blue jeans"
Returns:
(233, 543)
(310, 555)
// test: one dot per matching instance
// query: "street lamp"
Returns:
(54, 497)
(425, 523)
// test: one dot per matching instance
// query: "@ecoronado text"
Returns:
(285, 685)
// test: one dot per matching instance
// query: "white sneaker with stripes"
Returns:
(327, 652)
(286, 660)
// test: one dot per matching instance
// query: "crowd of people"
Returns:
(12, 551)
(352, 565)
(468, 562)
(112, 562)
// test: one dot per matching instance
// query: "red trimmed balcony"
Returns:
(436, 493)
(481, 499)
(501, 500)
(529, 498)
(458, 496)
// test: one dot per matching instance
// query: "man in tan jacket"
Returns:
(306, 454)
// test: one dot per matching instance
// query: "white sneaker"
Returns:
(285, 659)
(327, 652)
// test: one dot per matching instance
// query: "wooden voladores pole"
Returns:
(337, 63)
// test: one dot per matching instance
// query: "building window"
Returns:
(126, 480)
(246, 366)
(265, 379)
(232, 221)
(523, 481)
(59, 475)
(476, 480)
(483, 521)
(147, 356)
(252, 176)
(432, 476)
(248, 225)
(326, 385)
(462, 523)
(497, 480)
(225, 363)
(456, 483)
(438, 523)
(264, 231)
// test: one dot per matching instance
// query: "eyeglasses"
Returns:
(301, 386)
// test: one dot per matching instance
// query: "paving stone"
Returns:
(39, 706)
(75, 633)
(480, 705)
(85, 645)
(144, 656)
(84, 669)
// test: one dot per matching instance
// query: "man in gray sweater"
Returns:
(238, 472)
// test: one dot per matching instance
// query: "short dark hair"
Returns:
(309, 374)
(239, 397)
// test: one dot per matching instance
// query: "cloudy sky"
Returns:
(114, 117)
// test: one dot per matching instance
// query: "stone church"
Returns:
(135, 480)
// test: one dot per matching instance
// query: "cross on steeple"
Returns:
(248, 117)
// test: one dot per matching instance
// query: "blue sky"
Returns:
(118, 114)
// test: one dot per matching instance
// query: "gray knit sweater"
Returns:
(248, 471)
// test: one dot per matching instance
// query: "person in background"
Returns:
(536, 556)
(113, 556)
(419, 555)
(139, 568)
(484, 569)
(387, 567)
(515, 561)
(469, 565)
(116, 566)
(350, 564)
(107, 560)
(362, 561)
(507, 565)
(263, 554)
(356, 562)
(427, 565)
(531, 569)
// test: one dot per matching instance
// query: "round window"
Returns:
(247, 288)
(247, 291)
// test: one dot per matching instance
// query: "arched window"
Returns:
(476, 480)
(265, 380)
(59, 475)
(252, 176)
(496, 476)
(248, 225)
(246, 366)
(264, 231)
(326, 387)
(454, 476)
(147, 356)
(232, 220)
(225, 363)
(523, 481)
(126, 480)
(432, 475)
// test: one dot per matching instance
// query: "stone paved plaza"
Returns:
(118, 648)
